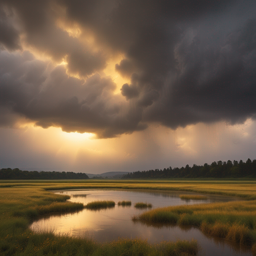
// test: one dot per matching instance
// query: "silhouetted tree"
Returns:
(220, 169)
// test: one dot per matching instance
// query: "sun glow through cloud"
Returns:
(110, 70)
(76, 136)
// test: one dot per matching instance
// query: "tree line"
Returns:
(226, 169)
(17, 174)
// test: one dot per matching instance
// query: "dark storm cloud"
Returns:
(214, 82)
(125, 68)
(9, 36)
(50, 98)
(129, 91)
(37, 21)
(188, 62)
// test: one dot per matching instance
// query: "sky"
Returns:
(126, 85)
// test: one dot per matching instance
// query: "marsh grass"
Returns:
(236, 235)
(220, 230)
(193, 197)
(235, 222)
(138, 247)
(69, 246)
(17, 239)
(124, 203)
(79, 195)
(240, 234)
(21, 201)
(98, 205)
(158, 220)
(53, 208)
(142, 205)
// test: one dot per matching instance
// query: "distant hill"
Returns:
(17, 174)
(108, 175)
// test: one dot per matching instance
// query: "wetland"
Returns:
(110, 223)
(223, 223)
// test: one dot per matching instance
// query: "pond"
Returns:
(114, 223)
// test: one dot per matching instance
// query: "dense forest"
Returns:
(17, 174)
(218, 169)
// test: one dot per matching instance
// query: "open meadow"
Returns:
(24, 201)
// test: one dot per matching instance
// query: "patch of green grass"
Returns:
(124, 203)
(98, 205)
(142, 205)
(193, 197)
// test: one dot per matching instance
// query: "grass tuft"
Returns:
(189, 220)
(237, 234)
(124, 203)
(142, 205)
(186, 248)
(53, 208)
(233, 221)
(240, 234)
(217, 230)
(98, 205)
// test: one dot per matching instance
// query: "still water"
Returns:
(110, 224)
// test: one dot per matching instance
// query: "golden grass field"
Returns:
(23, 201)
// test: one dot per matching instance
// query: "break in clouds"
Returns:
(187, 62)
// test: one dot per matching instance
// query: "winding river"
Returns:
(111, 224)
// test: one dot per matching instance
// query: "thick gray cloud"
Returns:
(49, 97)
(9, 36)
(188, 62)
(215, 81)
(37, 22)
(129, 91)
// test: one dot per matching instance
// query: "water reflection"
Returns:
(80, 195)
(110, 224)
